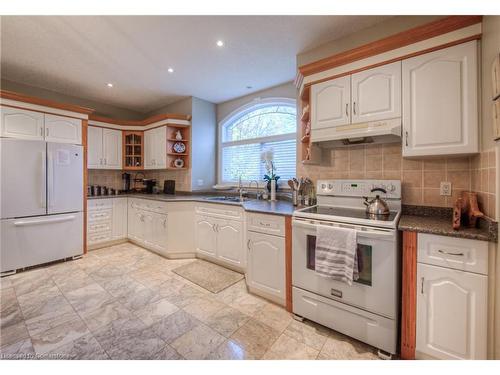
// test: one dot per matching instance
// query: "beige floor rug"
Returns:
(210, 276)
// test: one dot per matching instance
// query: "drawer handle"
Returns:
(451, 253)
(265, 224)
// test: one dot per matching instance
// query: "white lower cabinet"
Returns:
(119, 222)
(266, 256)
(451, 306)
(219, 235)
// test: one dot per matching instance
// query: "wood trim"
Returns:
(404, 38)
(409, 296)
(288, 263)
(124, 155)
(5, 94)
(146, 121)
(305, 94)
(85, 183)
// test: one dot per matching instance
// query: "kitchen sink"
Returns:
(226, 199)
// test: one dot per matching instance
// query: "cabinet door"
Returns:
(266, 263)
(440, 110)
(451, 313)
(62, 129)
(376, 93)
(112, 148)
(19, 123)
(160, 148)
(94, 147)
(135, 223)
(149, 144)
(160, 232)
(330, 103)
(230, 242)
(205, 235)
(119, 218)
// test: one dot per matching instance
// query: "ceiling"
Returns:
(79, 55)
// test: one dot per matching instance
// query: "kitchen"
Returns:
(171, 226)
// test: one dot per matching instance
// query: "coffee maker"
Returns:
(150, 183)
(126, 181)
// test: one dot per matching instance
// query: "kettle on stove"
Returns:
(376, 206)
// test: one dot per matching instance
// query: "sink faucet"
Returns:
(257, 184)
(240, 189)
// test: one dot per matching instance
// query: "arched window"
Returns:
(269, 125)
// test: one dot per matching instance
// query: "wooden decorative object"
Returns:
(470, 208)
(457, 213)
(409, 296)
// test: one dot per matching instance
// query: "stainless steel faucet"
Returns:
(257, 185)
(240, 189)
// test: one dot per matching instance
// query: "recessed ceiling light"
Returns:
(220, 43)
(170, 70)
(110, 85)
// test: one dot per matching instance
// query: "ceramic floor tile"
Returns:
(19, 350)
(85, 347)
(308, 333)
(129, 340)
(53, 305)
(287, 348)
(249, 304)
(166, 353)
(120, 286)
(227, 320)
(10, 312)
(74, 280)
(198, 343)
(13, 334)
(255, 338)
(59, 335)
(89, 297)
(274, 316)
(175, 325)
(29, 281)
(343, 347)
(5, 282)
(107, 313)
(228, 350)
(182, 298)
(150, 278)
(139, 299)
(202, 308)
(156, 311)
(55, 317)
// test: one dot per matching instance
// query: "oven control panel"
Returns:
(360, 188)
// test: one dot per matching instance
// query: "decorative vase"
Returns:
(273, 190)
(178, 135)
(269, 186)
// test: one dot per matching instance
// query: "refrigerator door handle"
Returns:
(43, 200)
(50, 179)
(43, 221)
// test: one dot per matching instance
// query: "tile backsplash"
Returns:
(420, 178)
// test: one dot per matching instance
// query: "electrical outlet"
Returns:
(445, 188)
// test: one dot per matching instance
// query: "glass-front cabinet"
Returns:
(133, 147)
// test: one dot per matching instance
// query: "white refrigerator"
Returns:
(41, 202)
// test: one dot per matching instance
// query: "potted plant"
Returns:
(267, 159)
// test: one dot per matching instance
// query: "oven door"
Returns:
(378, 261)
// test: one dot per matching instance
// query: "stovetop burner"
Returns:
(348, 213)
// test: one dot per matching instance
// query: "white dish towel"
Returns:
(336, 256)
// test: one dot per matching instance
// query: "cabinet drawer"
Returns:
(99, 237)
(99, 215)
(149, 205)
(220, 210)
(270, 224)
(456, 253)
(99, 227)
(99, 204)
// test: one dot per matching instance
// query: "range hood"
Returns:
(385, 131)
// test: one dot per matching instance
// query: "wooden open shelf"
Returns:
(172, 130)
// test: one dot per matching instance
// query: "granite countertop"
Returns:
(438, 221)
(280, 207)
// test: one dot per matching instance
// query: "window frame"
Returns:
(242, 111)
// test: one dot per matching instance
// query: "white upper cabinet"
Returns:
(155, 148)
(104, 148)
(19, 123)
(451, 313)
(94, 147)
(112, 148)
(376, 93)
(63, 129)
(330, 103)
(440, 102)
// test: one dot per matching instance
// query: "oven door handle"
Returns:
(361, 233)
